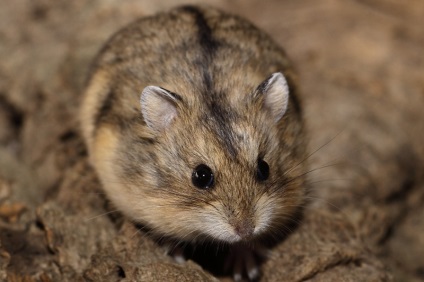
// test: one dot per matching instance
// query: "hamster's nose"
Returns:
(244, 229)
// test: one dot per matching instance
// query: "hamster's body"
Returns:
(218, 102)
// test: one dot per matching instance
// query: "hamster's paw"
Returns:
(244, 263)
(177, 253)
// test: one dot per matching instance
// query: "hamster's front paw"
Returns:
(176, 252)
(244, 262)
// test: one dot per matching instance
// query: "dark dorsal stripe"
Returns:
(208, 44)
(221, 120)
(221, 117)
(206, 40)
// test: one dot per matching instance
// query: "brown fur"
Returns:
(215, 62)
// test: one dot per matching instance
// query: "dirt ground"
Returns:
(361, 67)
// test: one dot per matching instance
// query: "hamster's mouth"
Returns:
(237, 224)
(232, 230)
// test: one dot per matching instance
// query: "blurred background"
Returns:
(361, 76)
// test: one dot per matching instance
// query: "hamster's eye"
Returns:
(263, 170)
(202, 177)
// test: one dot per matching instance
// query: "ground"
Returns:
(361, 75)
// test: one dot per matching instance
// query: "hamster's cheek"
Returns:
(287, 205)
(264, 213)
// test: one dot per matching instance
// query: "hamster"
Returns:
(194, 127)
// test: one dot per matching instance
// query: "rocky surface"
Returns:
(361, 68)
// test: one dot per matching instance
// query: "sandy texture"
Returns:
(361, 67)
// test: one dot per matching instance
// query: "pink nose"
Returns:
(244, 229)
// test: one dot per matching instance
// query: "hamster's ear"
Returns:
(158, 107)
(275, 92)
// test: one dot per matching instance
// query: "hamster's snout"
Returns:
(243, 228)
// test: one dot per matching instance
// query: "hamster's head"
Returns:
(218, 167)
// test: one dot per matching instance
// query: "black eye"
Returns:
(202, 177)
(263, 170)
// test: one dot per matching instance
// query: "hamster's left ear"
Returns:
(275, 92)
(159, 107)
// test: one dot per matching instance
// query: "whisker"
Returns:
(330, 180)
(311, 154)
(103, 214)
(309, 171)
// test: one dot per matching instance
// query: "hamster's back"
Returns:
(188, 50)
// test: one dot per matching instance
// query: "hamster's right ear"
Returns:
(158, 107)
(274, 92)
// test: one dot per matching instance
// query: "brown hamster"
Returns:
(193, 125)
